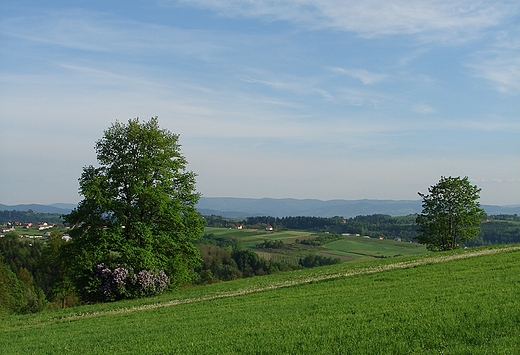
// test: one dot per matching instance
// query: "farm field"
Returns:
(348, 248)
(252, 237)
(463, 302)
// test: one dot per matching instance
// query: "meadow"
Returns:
(461, 302)
(357, 247)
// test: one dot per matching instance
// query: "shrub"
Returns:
(147, 283)
(120, 282)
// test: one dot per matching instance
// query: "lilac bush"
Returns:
(122, 283)
(148, 283)
(113, 282)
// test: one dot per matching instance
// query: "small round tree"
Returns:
(137, 213)
(451, 214)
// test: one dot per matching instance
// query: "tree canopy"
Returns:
(451, 214)
(138, 209)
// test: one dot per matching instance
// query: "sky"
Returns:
(305, 99)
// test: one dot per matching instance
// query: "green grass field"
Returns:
(356, 246)
(251, 237)
(463, 302)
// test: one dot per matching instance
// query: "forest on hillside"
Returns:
(28, 217)
(495, 229)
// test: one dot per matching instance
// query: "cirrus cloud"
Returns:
(372, 18)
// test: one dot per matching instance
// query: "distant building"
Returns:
(269, 228)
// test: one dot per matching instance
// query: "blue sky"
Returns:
(321, 99)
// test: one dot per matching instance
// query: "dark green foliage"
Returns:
(219, 222)
(138, 207)
(299, 222)
(250, 264)
(55, 265)
(18, 291)
(23, 257)
(224, 264)
(451, 214)
(223, 242)
(21, 253)
(224, 259)
(12, 292)
(373, 225)
(314, 260)
(381, 225)
(271, 244)
(501, 229)
(217, 264)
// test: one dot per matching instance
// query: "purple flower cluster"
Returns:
(122, 283)
(113, 282)
(148, 283)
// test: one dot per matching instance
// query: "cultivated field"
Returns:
(348, 248)
(463, 302)
(251, 237)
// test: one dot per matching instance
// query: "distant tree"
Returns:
(12, 292)
(451, 214)
(138, 208)
(55, 264)
(18, 292)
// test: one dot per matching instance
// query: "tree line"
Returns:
(499, 229)
(29, 217)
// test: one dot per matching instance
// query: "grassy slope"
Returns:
(424, 304)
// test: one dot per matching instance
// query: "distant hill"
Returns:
(248, 207)
(57, 208)
(240, 208)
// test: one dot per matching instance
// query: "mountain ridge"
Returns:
(240, 208)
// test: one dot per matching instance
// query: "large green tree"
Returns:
(138, 208)
(451, 214)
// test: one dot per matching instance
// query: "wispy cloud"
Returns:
(502, 69)
(300, 85)
(99, 32)
(500, 62)
(424, 109)
(365, 76)
(373, 18)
